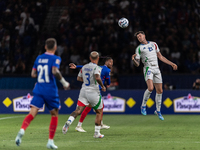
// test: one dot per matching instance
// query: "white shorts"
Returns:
(91, 97)
(152, 73)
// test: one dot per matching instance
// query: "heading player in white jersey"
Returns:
(148, 52)
(89, 94)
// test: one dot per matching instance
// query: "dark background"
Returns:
(81, 26)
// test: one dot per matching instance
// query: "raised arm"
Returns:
(57, 74)
(135, 61)
(165, 60)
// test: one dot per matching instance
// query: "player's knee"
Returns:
(160, 91)
(98, 111)
(150, 89)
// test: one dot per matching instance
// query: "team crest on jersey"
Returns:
(148, 72)
(57, 61)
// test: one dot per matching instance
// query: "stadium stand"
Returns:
(81, 26)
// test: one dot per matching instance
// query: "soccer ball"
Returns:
(123, 22)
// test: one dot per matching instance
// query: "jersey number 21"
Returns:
(43, 70)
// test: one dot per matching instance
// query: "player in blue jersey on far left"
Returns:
(105, 77)
(46, 69)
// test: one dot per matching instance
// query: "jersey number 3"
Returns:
(43, 70)
(88, 78)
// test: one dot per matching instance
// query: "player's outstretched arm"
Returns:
(165, 60)
(57, 74)
(98, 79)
(135, 61)
(33, 73)
(72, 66)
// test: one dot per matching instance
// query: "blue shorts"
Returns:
(50, 101)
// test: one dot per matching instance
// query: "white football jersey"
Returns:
(88, 72)
(148, 54)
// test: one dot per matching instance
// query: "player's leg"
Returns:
(52, 128)
(146, 95)
(83, 115)
(82, 103)
(158, 99)
(53, 105)
(36, 103)
(97, 133)
(96, 102)
(25, 124)
(80, 107)
(103, 126)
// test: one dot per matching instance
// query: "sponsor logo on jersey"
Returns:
(22, 104)
(187, 104)
(113, 104)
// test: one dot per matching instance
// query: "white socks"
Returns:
(101, 122)
(70, 120)
(79, 124)
(146, 96)
(97, 129)
(22, 131)
(158, 101)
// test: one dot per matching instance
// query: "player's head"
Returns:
(94, 57)
(109, 62)
(51, 44)
(140, 36)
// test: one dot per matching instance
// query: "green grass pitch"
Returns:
(127, 132)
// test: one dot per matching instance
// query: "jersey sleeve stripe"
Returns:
(155, 46)
(34, 69)
(139, 51)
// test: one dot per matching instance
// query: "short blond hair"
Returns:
(94, 55)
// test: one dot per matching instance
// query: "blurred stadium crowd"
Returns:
(20, 22)
(87, 25)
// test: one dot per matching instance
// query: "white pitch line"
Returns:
(10, 117)
(196, 142)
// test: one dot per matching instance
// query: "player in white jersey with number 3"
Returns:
(89, 94)
(149, 53)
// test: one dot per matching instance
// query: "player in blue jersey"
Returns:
(46, 69)
(105, 77)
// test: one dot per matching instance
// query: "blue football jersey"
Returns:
(105, 74)
(46, 82)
